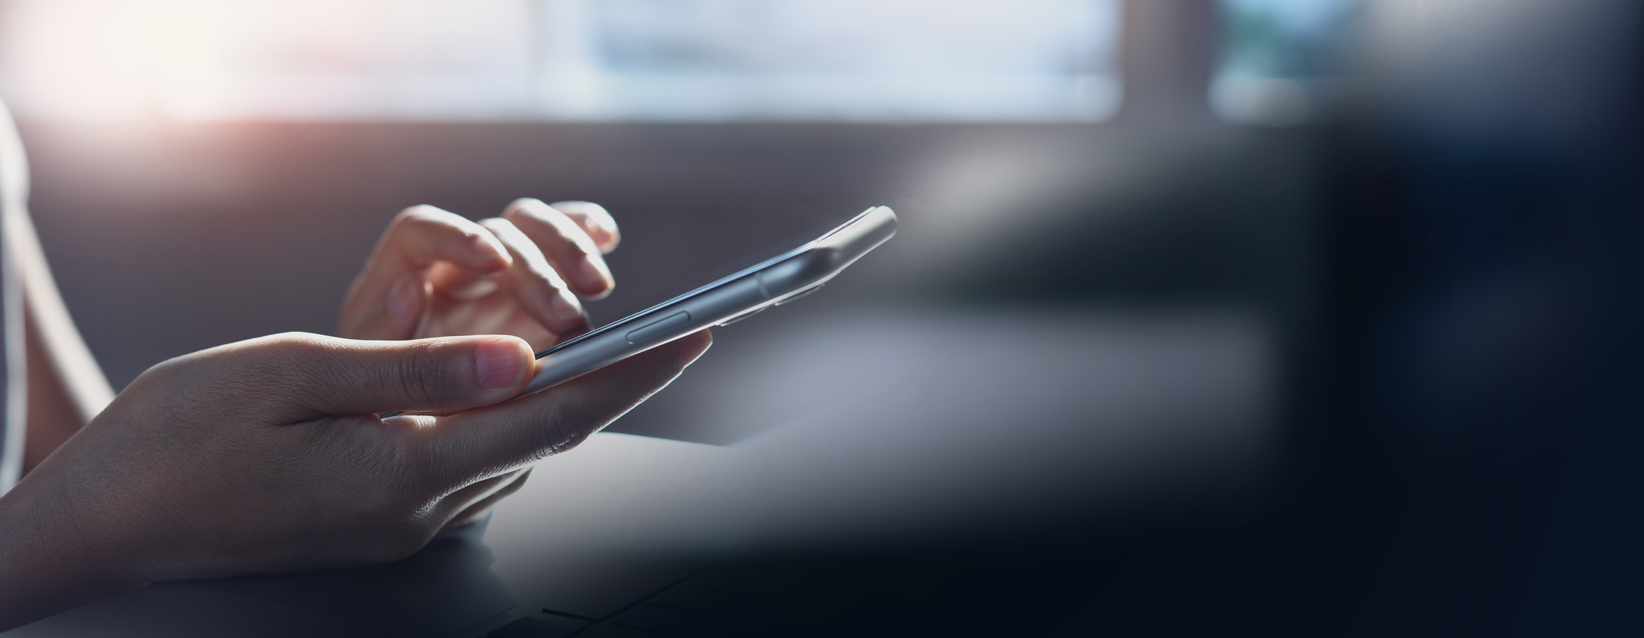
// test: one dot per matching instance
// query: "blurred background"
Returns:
(1312, 315)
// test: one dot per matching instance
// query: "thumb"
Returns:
(500, 438)
(331, 376)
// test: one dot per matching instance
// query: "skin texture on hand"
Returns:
(266, 455)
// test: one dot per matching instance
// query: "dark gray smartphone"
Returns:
(801, 266)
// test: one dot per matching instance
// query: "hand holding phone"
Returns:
(437, 274)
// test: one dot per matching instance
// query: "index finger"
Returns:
(565, 243)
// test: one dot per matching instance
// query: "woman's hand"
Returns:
(435, 274)
(266, 455)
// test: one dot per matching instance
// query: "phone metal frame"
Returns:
(769, 283)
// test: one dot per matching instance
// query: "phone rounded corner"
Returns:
(890, 216)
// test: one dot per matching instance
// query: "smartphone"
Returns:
(800, 266)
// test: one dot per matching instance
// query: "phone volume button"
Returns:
(659, 327)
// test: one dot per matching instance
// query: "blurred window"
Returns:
(1283, 62)
(705, 60)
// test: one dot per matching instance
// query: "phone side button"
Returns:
(659, 327)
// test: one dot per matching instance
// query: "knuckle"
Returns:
(423, 219)
(504, 231)
(420, 372)
(420, 212)
(540, 216)
(524, 205)
(589, 212)
(495, 223)
(578, 205)
(540, 271)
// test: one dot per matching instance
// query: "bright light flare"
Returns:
(651, 60)
(105, 59)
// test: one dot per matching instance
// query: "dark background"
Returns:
(1446, 299)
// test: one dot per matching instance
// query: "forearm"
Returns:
(52, 561)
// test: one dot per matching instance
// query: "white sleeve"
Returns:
(14, 177)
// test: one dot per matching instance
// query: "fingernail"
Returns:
(500, 364)
(592, 271)
(608, 232)
(566, 306)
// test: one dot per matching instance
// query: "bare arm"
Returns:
(66, 388)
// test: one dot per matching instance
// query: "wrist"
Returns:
(55, 557)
